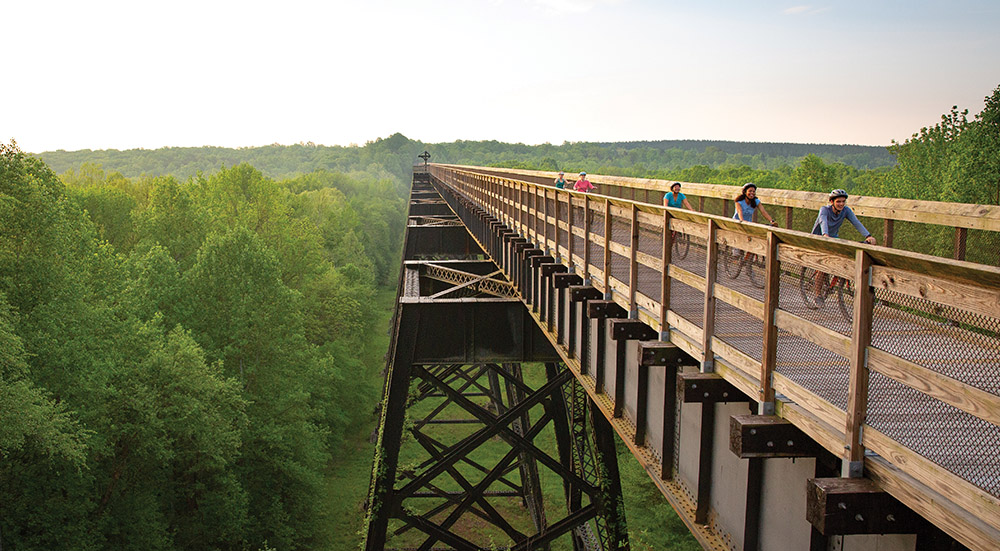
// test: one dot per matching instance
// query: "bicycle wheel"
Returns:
(733, 260)
(844, 287)
(807, 280)
(682, 244)
(807, 286)
(755, 270)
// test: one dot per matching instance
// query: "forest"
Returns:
(179, 360)
(189, 337)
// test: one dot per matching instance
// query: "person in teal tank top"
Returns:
(675, 199)
(561, 180)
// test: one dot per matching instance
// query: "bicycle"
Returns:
(736, 260)
(807, 285)
(681, 244)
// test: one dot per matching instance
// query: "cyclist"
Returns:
(674, 198)
(747, 202)
(831, 217)
(561, 180)
(583, 184)
(827, 224)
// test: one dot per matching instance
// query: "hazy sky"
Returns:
(104, 74)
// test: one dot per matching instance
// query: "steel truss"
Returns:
(452, 490)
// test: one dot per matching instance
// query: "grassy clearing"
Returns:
(350, 472)
(652, 523)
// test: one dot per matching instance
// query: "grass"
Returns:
(652, 523)
(349, 474)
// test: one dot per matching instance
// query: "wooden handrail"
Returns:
(959, 215)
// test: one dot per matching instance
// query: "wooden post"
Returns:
(701, 204)
(769, 355)
(788, 217)
(522, 208)
(888, 230)
(534, 217)
(607, 249)
(569, 231)
(633, 265)
(586, 239)
(665, 277)
(960, 236)
(861, 336)
(711, 267)
(545, 220)
(555, 198)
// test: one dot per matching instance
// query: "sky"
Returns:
(139, 74)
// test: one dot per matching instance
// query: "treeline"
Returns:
(389, 158)
(178, 358)
(395, 154)
(859, 156)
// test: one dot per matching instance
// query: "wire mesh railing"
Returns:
(948, 230)
(899, 344)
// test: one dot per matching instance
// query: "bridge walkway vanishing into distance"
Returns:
(872, 427)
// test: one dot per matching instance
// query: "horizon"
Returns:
(96, 76)
(313, 144)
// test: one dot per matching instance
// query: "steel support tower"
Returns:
(485, 440)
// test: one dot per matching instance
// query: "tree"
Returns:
(813, 174)
(973, 174)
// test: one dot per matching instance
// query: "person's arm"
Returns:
(824, 221)
(686, 204)
(763, 211)
(859, 226)
(739, 211)
(666, 201)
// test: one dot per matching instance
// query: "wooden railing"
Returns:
(959, 218)
(903, 359)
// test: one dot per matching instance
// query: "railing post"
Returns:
(960, 237)
(861, 336)
(668, 247)
(522, 228)
(633, 264)
(508, 199)
(607, 249)
(788, 217)
(555, 201)
(888, 230)
(711, 267)
(534, 203)
(587, 218)
(770, 355)
(569, 231)
(545, 221)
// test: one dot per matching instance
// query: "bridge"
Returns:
(768, 419)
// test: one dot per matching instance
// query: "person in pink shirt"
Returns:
(583, 184)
